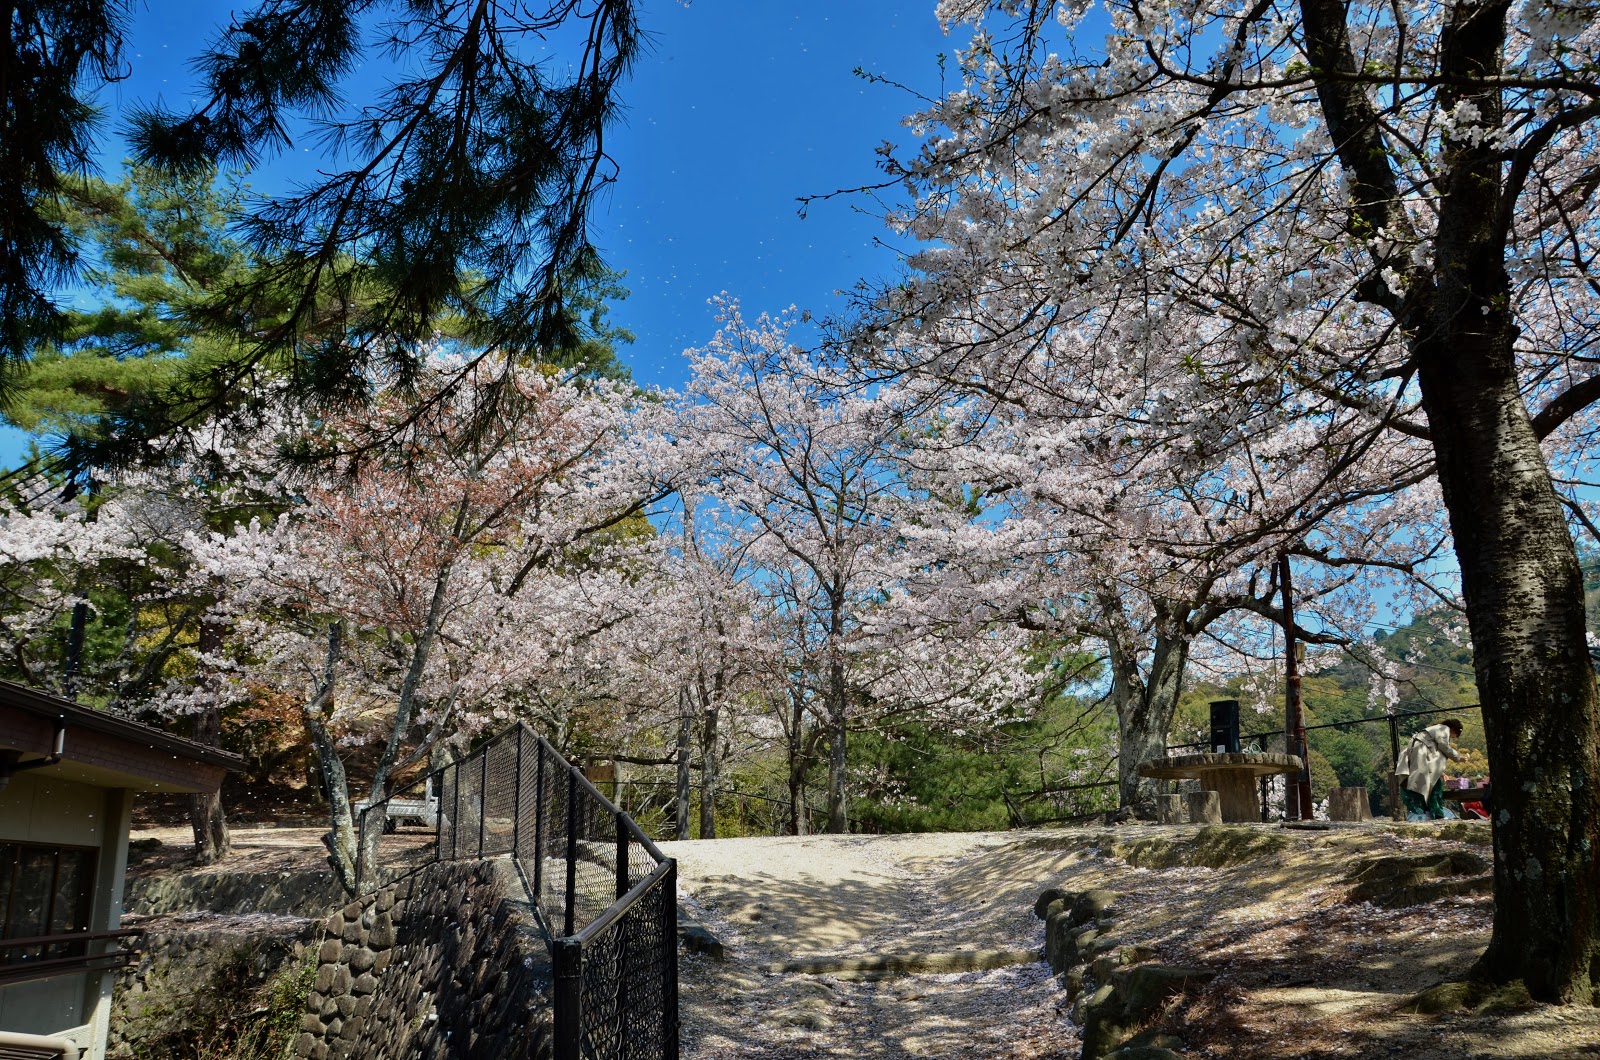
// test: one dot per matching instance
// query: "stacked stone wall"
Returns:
(444, 965)
(196, 975)
(303, 894)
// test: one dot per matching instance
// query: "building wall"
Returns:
(109, 759)
(39, 808)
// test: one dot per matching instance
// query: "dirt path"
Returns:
(772, 900)
(1304, 974)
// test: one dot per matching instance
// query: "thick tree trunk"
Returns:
(211, 839)
(1524, 595)
(1145, 704)
(341, 836)
(1519, 574)
(341, 839)
(1519, 568)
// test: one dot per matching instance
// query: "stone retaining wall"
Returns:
(196, 974)
(280, 893)
(444, 965)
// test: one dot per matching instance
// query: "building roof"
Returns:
(106, 749)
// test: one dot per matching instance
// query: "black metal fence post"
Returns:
(572, 849)
(622, 854)
(361, 845)
(483, 798)
(567, 966)
(669, 956)
(538, 823)
(455, 813)
(516, 806)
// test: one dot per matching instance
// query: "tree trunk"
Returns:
(341, 839)
(1524, 595)
(341, 836)
(1519, 569)
(685, 750)
(710, 711)
(1144, 705)
(838, 818)
(1519, 572)
(211, 839)
(799, 818)
(405, 705)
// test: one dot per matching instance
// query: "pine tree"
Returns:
(462, 192)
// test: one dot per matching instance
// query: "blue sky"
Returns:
(740, 107)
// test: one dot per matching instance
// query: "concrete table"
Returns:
(1232, 776)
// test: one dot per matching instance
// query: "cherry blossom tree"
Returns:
(422, 595)
(802, 468)
(805, 474)
(51, 552)
(1379, 210)
(1131, 503)
(719, 664)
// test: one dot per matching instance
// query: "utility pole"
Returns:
(1298, 798)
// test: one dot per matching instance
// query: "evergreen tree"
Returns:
(463, 190)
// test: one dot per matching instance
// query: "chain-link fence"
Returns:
(604, 894)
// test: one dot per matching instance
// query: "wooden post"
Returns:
(1298, 803)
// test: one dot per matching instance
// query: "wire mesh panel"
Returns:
(468, 805)
(449, 812)
(605, 895)
(498, 779)
(627, 988)
(398, 835)
(599, 868)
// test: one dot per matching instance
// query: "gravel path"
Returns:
(776, 899)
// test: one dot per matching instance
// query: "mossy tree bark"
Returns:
(1519, 567)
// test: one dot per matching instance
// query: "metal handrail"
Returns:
(622, 904)
(71, 936)
(584, 806)
(15, 970)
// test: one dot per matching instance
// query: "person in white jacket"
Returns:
(1420, 768)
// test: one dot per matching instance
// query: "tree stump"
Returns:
(1171, 809)
(1349, 804)
(1205, 807)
